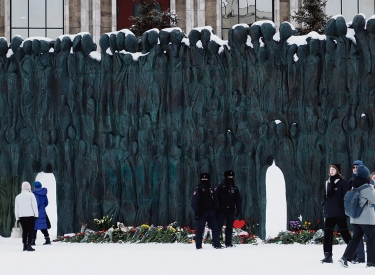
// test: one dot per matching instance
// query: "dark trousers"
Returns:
(210, 218)
(27, 224)
(44, 231)
(329, 226)
(358, 231)
(361, 250)
(227, 217)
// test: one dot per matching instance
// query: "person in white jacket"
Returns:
(26, 211)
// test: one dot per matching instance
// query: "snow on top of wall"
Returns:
(185, 41)
(205, 27)
(276, 36)
(242, 24)
(96, 56)
(260, 23)
(154, 29)
(127, 32)
(351, 35)
(172, 29)
(301, 39)
(291, 25)
(337, 16)
(9, 53)
(248, 42)
(72, 36)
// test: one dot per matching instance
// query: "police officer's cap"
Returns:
(205, 176)
(228, 173)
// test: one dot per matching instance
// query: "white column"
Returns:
(277, 14)
(96, 21)
(293, 8)
(201, 13)
(85, 15)
(218, 18)
(66, 17)
(7, 20)
(114, 15)
(172, 5)
(189, 16)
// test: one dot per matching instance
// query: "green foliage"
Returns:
(150, 18)
(311, 16)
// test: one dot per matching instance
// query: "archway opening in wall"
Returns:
(48, 181)
(276, 212)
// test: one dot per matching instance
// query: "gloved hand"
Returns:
(36, 218)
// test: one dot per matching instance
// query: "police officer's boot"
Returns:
(29, 248)
(48, 241)
(327, 258)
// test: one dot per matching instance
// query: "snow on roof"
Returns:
(96, 56)
(260, 23)
(243, 25)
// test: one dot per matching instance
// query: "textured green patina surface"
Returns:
(129, 137)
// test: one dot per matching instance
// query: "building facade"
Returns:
(51, 18)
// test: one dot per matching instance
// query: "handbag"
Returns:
(16, 231)
(48, 222)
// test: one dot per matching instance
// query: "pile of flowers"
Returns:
(303, 233)
(155, 234)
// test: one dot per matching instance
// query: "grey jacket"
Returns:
(366, 196)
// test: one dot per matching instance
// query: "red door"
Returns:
(126, 8)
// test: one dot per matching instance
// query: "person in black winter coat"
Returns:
(228, 204)
(203, 204)
(335, 189)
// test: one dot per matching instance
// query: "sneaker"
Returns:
(343, 261)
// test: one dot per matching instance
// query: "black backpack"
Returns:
(351, 202)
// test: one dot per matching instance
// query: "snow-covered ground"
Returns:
(66, 258)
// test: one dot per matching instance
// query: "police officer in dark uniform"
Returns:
(203, 204)
(228, 204)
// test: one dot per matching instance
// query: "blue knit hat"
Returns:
(358, 162)
(363, 172)
(37, 184)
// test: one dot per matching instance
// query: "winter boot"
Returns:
(327, 258)
(29, 248)
(48, 241)
(343, 261)
(33, 242)
(24, 247)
